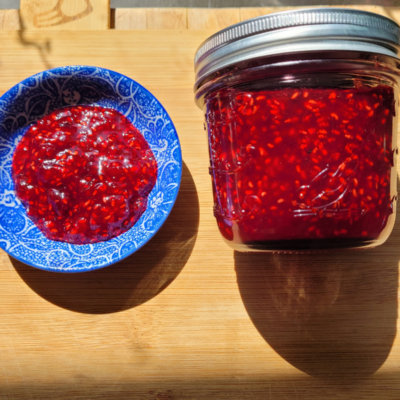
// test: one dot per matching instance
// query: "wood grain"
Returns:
(252, 12)
(9, 19)
(130, 18)
(65, 14)
(163, 18)
(186, 317)
(211, 18)
(166, 18)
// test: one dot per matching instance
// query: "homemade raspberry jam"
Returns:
(302, 128)
(84, 174)
(302, 168)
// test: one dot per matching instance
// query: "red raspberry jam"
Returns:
(292, 167)
(84, 174)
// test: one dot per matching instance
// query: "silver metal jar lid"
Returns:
(314, 29)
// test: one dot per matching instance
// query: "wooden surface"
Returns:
(9, 19)
(208, 18)
(65, 14)
(124, 19)
(166, 18)
(140, 18)
(186, 317)
(251, 12)
(212, 19)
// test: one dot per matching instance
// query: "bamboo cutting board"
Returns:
(186, 317)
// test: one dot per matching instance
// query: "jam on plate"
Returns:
(84, 174)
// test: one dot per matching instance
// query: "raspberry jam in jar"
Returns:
(302, 146)
(84, 174)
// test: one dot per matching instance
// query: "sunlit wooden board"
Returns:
(186, 317)
(212, 19)
(166, 18)
(9, 19)
(65, 14)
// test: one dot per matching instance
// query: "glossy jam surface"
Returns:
(84, 174)
(300, 166)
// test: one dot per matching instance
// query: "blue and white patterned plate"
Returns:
(47, 91)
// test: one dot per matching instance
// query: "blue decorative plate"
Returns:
(47, 91)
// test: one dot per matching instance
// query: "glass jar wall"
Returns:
(304, 166)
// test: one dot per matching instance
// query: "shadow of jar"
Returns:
(330, 315)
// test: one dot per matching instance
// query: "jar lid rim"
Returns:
(300, 17)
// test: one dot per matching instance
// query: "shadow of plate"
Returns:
(134, 280)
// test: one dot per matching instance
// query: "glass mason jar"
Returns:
(300, 112)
